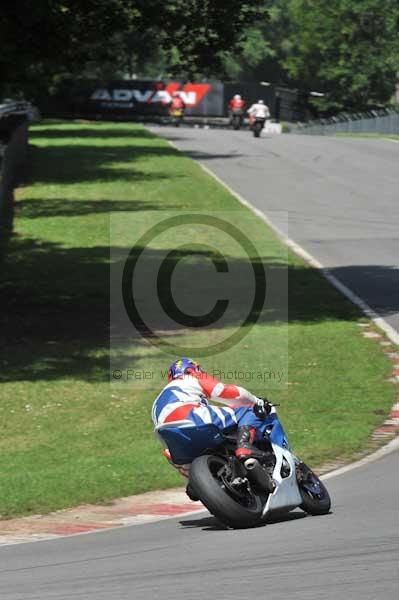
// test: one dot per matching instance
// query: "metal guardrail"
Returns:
(383, 120)
(15, 108)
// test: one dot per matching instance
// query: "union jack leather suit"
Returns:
(187, 398)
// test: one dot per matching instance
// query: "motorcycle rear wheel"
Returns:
(257, 129)
(236, 123)
(235, 508)
(315, 497)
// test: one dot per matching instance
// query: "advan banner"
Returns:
(140, 98)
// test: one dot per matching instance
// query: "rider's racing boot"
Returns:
(262, 467)
(245, 448)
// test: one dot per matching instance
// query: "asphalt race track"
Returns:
(339, 197)
(352, 553)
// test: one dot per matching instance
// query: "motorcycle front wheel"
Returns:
(235, 506)
(315, 497)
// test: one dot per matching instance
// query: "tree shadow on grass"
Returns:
(193, 281)
(54, 312)
(64, 207)
(69, 164)
(97, 131)
(55, 306)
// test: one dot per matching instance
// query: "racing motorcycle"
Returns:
(236, 118)
(244, 494)
(176, 115)
(257, 125)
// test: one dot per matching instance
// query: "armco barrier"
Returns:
(381, 121)
(13, 155)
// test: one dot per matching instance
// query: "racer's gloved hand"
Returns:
(262, 408)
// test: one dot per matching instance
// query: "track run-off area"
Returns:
(339, 198)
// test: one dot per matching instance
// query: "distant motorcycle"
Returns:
(244, 494)
(257, 126)
(258, 114)
(176, 115)
(237, 117)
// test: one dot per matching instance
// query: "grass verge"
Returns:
(69, 437)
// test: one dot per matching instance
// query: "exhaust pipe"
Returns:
(258, 475)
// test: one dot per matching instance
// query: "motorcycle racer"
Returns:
(176, 103)
(236, 103)
(187, 395)
(259, 110)
(236, 108)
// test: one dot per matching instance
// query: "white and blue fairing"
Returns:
(286, 495)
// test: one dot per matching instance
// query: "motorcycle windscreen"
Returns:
(186, 443)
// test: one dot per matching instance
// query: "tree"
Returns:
(254, 50)
(197, 32)
(347, 49)
(259, 52)
(41, 39)
(44, 39)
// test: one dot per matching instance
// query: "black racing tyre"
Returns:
(315, 497)
(257, 129)
(236, 123)
(237, 510)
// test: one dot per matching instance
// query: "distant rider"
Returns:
(236, 104)
(258, 110)
(187, 396)
(176, 103)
